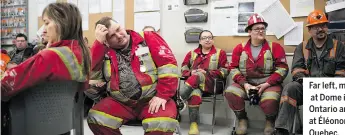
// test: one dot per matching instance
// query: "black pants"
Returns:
(5, 118)
(88, 103)
(293, 91)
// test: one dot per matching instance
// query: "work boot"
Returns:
(280, 131)
(269, 126)
(193, 129)
(242, 122)
(194, 114)
(269, 129)
(242, 127)
(185, 93)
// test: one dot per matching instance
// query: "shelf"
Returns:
(9, 6)
(336, 30)
(7, 44)
(335, 6)
(341, 21)
(5, 17)
(13, 21)
(13, 27)
(7, 37)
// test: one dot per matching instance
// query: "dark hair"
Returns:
(69, 26)
(105, 21)
(146, 27)
(22, 35)
(86, 40)
(201, 34)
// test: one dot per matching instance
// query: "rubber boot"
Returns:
(269, 129)
(269, 126)
(193, 129)
(242, 122)
(280, 131)
(194, 120)
(185, 93)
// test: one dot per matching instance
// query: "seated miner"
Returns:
(200, 67)
(141, 78)
(319, 56)
(258, 68)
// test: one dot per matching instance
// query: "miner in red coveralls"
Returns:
(201, 66)
(66, 53)
(260, 65)
(141, 79)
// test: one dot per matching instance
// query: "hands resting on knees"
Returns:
(155, 103)
(261, 88)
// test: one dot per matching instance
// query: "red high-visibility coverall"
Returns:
(57, 63)
(214, 63)
(270, 67)
(155, 68)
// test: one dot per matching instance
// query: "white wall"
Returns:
(173, 26)
(33, 19)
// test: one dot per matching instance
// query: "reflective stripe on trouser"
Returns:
(287, 108)
(340, 73)
(235, 95)
(163, 124)
(109, 114)
(193, 82)
(195, 98)
(104, 119)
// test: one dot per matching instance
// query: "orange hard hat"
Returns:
(255, 19)
(316, 17)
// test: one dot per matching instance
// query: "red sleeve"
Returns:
(186, 66)
(222, 71)
(33, 71)
(235, 73)
(166, 64)
(97, 55)
(281, 67)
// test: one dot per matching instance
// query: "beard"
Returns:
(321, 35)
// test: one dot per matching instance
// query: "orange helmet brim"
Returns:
(319, 22)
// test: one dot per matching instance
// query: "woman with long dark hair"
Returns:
(65, 35)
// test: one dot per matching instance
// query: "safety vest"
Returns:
(268, 60)
(306, 52)
(332, 54)
(147, 66)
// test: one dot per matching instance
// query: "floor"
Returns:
(204, 130)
